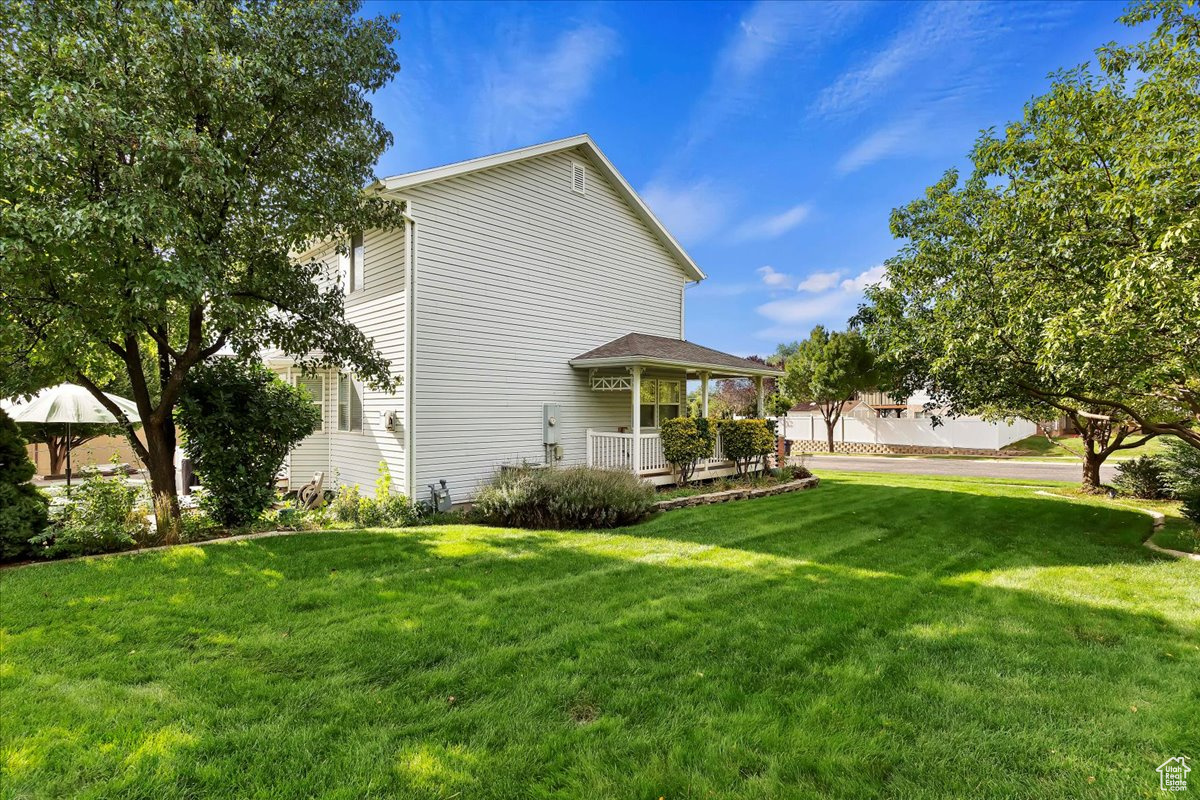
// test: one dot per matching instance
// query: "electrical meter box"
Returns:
(551, 422)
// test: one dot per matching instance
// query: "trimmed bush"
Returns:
(685, 441)
(1181, 473)
(569, 498)
(240, 420)
(1141, 477)
(22, 506)
(747, 442)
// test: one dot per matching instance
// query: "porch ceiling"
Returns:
(645, 350)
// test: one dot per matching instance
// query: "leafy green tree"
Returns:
(240, 421)
(829, 369)
(163, 164)
(1063, 276)
(22, 507)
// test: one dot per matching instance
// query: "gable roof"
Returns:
(643, 348)
(583, 143)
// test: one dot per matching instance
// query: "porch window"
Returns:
(314, 385)
(660, 400)
(349, 404)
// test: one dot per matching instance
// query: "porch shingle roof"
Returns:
(637, 348)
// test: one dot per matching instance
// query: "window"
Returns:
(315, 386)
(352, 265)
(356, 262)
(349, 404)
(660, 400)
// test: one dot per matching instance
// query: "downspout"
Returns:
(410, 334)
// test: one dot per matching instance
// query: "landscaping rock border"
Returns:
(736, 494)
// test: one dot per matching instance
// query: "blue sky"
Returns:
(773, 139)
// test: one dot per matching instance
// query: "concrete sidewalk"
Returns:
(1071, 471)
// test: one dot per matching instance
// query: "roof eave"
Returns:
(718, 370)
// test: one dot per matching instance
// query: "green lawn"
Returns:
(1040, 448)
(880, 636)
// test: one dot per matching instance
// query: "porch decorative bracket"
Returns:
(612, 383)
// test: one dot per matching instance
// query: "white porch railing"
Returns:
(612, 450)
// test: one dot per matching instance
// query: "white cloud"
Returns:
(689, 211)
(775, 279)
(820, 282)
(832, 302)
(936, 26)
(899, 138)
(796, 310)
(772, 226)
(533, 88)
(862, 280)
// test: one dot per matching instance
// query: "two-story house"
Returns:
(534, 308)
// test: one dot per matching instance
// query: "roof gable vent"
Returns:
(578, 177)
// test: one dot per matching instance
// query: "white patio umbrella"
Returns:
(70, 404)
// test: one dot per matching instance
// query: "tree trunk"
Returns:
(1091, 470)
(160, 462)
(56, 452)
(829, 426)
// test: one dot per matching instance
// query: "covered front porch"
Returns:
(654, 371)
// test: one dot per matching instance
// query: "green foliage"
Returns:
(101, 515)
(385, 509)
(163, 161)
(240, 421)
(686, 440)
(22, 506)
(827, 369)
(1064, 274)
(570, 498)
(746, 442)
(1141, 477)
(1181, 473)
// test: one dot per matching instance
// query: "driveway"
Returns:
(962, 467)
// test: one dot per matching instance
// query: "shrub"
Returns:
(746, 442)
(1181, 474)
(239, 421)
(22, 506)
(685, 441)
(799, 471)
(1141, 477)
(385, 509)
(573, 497)
(101, 515)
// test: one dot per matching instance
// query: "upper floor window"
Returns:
(352, 265)
(349, 404)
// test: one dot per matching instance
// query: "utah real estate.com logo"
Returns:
(1172, 774)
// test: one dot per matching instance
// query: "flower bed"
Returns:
(737, 493)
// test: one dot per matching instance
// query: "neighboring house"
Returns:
(532, 306)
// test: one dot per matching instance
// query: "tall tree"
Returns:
(162, 164)
(1063, 276)
(828, 369)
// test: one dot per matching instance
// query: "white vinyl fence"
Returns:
(972, 434)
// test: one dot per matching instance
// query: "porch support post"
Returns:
(704, 394)
(762, 405)
(635, 453)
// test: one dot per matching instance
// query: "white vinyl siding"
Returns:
(352, 457)
(516, 274)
